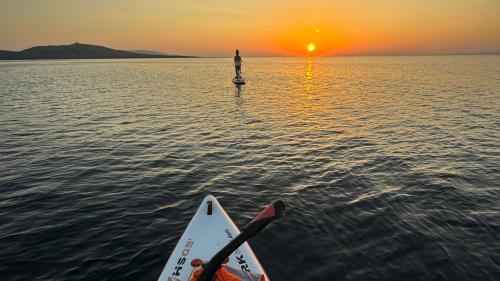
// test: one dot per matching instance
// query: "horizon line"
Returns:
(368, 54)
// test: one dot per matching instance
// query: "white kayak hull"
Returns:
(205, 235)
(239, 81)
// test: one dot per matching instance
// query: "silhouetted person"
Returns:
(237, 64)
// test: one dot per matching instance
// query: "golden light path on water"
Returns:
(309, 82)
(375, 153)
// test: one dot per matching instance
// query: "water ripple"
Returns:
(390, 166)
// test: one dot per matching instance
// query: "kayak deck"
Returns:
(240, 80)
(210, 230)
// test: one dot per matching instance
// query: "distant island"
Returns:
(80, 51)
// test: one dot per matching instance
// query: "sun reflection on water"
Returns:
(309, 81)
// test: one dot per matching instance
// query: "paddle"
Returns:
(272, 212)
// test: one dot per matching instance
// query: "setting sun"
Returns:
(311, 47)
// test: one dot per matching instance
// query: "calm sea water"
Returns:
(389, 165)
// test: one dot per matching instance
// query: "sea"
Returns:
(389, 166)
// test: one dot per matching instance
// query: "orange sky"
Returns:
(216, 27)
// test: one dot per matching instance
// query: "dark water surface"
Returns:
(389, 166)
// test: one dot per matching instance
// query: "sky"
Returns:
(257, 27)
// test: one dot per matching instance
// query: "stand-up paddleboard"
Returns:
(239, 81)
(211, 230)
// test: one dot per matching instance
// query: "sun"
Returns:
(311, 47)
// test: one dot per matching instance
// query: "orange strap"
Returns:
(220, 275)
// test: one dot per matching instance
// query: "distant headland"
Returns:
(80, 51)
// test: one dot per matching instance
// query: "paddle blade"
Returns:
(272, 212)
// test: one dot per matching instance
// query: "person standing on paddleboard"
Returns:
(237, 64)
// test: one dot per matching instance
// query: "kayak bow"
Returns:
(212, 239)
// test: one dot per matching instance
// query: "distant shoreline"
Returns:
(111, 58)
(199, 57)
(80, 51)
